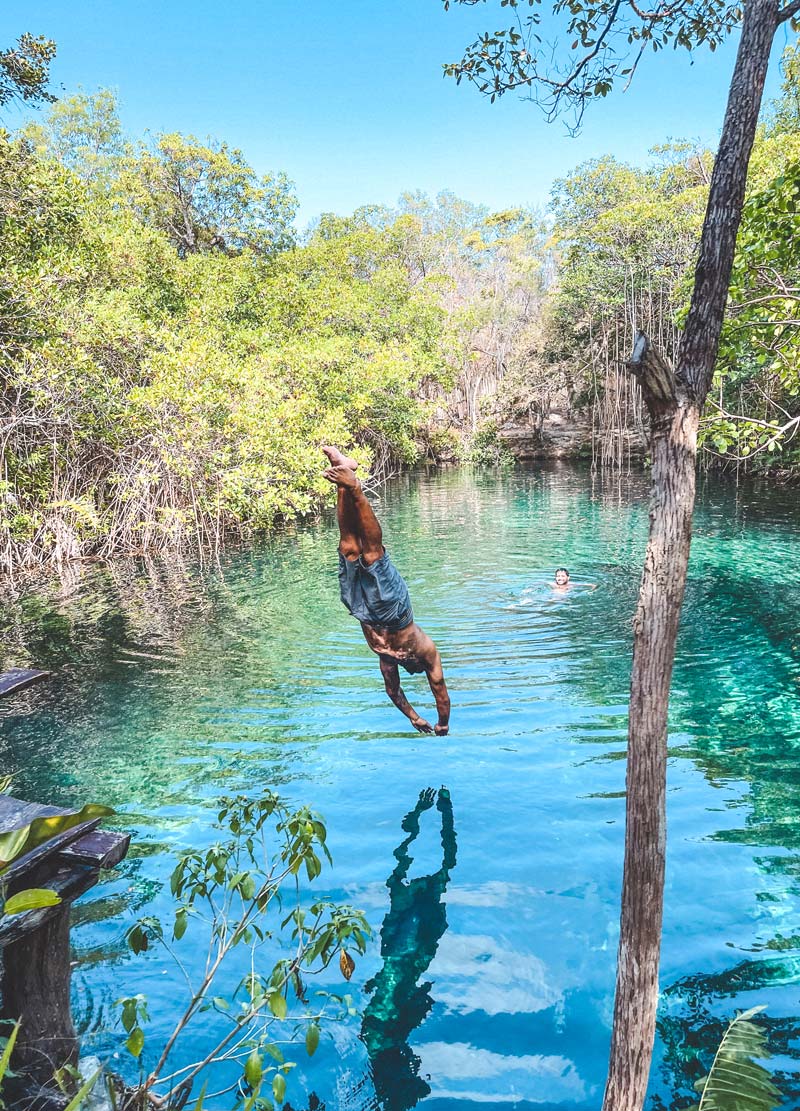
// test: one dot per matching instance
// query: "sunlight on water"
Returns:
(489, 861)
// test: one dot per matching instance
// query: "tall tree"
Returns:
(82, 132)
(607, 41)
(206, 196)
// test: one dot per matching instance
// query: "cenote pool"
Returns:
(177, 684)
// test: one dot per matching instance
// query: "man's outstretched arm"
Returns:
(439, 692)
(391, 679)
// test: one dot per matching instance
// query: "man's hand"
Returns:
(441, 730)
(421, 725)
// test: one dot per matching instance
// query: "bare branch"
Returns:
(654, 375)
(789, 12)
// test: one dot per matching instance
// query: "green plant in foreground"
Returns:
(5, 1057)
(735, 1081)
(14, 844)
(230, 895)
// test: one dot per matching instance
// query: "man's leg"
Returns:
(359, 530)
(369, 529)
(349, 541)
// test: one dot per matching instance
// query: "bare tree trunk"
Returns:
(674, 402)
(36, 987)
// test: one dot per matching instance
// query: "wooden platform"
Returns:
(68, 863)
(82, 843)
(66, 857)
(18, 678)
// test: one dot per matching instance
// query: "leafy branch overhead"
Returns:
(25, 70)
(564, 55)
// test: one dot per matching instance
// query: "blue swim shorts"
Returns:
(375, 593)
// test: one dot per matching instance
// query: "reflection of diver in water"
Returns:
(412, 928)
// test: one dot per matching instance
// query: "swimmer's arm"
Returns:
(439, 692)
(391, 679)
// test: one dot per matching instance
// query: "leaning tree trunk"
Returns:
(674, 401)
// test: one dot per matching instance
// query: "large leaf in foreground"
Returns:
(33, 899)
(736, 1082)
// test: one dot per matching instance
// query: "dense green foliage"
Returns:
(173, 370)
(758, 372)
(625, 240)
(172, 357)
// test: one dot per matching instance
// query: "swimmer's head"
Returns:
(562, 576)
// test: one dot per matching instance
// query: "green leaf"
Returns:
(135, 1042)
(312, 1039)
(9, 1049)
(43, 829)
(279, 1087)
(735, 1081)
(277, 1004)
(11, 844)
(128, 1014)
(32, 899)
(254, 1069)
(77, 1101)
(137, 939)
(199, 1105)
(181, 922)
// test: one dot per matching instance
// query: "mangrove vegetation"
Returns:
(173, 351)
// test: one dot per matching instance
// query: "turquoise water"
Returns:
(494, 901)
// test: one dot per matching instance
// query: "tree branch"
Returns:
(654, 375)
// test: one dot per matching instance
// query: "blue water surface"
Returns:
(489, 861)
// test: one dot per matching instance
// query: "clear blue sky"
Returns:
(347, 96)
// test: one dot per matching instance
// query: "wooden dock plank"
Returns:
(14, 813)
(68, 882)
(35, 945)
(102, 848)
(17, 678)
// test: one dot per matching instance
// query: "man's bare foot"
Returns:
(338, 459)
(342, 476)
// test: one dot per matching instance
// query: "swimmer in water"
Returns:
(561, 582)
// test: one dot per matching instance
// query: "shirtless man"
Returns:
(562, 583)
(374, 592)
(561, 579)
